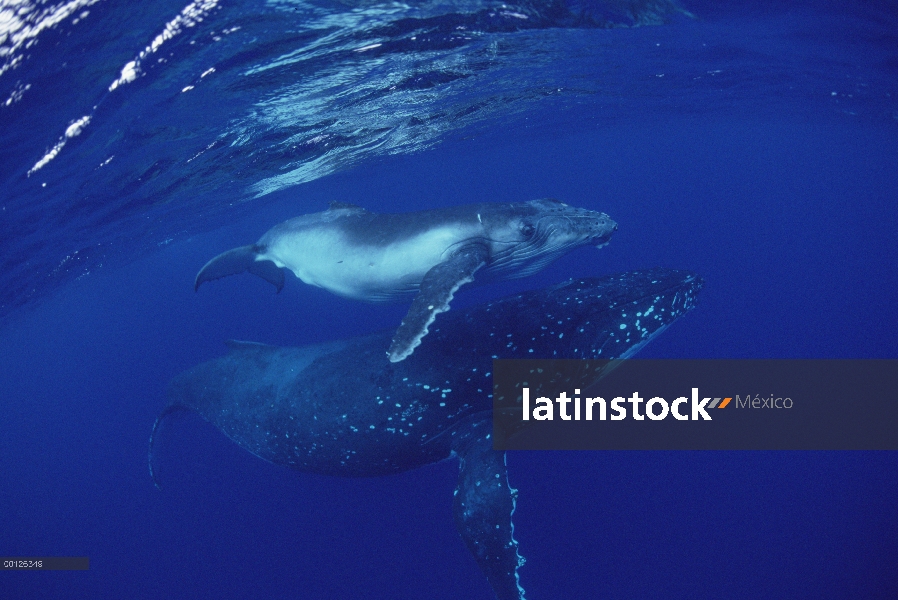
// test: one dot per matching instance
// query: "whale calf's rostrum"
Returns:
(358, 254)
(343, 409)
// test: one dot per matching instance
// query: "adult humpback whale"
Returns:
(379, 257)
(343, 409)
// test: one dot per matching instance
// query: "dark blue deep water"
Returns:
(753, 142)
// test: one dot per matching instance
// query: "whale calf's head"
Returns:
(528, 236)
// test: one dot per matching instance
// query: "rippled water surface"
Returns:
(129, 125)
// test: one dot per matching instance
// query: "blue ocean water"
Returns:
(752, 142)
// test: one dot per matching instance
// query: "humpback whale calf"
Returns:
(358, 254)
(342, 409)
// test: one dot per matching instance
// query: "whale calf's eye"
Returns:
(527, 230)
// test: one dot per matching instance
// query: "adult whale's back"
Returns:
(380, 257)
(343, 409)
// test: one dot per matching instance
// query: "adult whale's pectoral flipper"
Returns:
(483, 506)
(437, 289)
(238, 260)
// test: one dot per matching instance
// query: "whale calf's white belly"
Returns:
(330, 260)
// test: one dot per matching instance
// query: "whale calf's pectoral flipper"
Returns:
(437, 288)
(483, 506)
(237, 261)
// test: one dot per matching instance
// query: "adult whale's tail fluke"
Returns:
(154, 472)
(239, 260)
